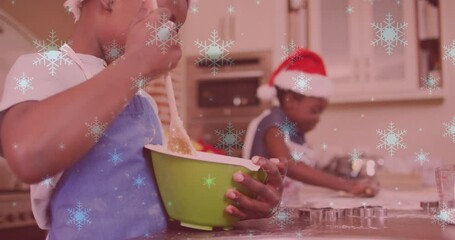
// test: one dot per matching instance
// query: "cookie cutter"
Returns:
(321, 214)
(369, 212)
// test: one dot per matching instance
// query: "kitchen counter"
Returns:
(404, 220)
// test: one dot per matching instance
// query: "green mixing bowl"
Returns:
(192, 188)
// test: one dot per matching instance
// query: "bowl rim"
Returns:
(207, 157)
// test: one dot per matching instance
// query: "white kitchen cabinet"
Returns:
(253, 25)
(361, 71)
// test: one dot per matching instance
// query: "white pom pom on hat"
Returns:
(302, 72)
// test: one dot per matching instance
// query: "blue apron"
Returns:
(110, 193)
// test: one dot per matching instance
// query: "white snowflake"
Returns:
(430, 83)
(214, 52)
(388, 35)
(443, 216)
(79, 216)
(450, 129)
(49, 54)
(138, 181)
(324, 146)
(48, 182)
(230, 9)
(288, 51)
(349, 9)
(140, 82)
(296, 155)
(113, 51)
(258, 2)
(282, 217)
(371, 1)
(449, 52)
(61, 146)
(95, 129)
(355, 156)
(23, 83)
(194, 9)
(287, 129)
(229, 139)
(115, 157)
(421, 157)
(163, 34)
(391, 139)
(301, 83)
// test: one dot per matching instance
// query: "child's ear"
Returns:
(107, 4)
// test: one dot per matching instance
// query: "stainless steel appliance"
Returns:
(229, 96)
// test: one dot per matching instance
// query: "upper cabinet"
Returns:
(372, 49)
(252, 25)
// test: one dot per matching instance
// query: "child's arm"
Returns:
(32, 131)
(304, 173)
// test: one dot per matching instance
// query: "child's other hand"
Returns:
(367, 187)
(268, 194)
(149, 58)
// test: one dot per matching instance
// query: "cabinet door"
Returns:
(371, 51)
(334, 34)
(252, 25)
(390, 62)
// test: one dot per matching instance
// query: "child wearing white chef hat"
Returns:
(76, 131)
(302, 89)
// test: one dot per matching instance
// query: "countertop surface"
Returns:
(405, 220)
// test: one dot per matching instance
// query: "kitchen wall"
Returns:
(348, 126)
(40, 17)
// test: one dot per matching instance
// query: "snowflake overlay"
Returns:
(163, 34)
(113, 51)
(296, 155)
(449, 52)
(349, 9)
(287, 129)
(138, 181)
(421, 157)
(23, 83)
(48, 182)
(288, 51)
(388, 35)
(140, 81)
(214, 52)
(115, 157)
(355, 156)
(95, 129)
(450, 129)
(229, 139)
(442, 216)
(301, 83)
(391, 139)
(282, 217)
(79, 216)
(209, 181)
(430, 83)
(49, 54)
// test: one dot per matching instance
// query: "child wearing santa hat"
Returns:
(77, 133)
(301, 88)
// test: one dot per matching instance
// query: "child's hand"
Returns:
(268, 194)
(365, 187)
(149, 58)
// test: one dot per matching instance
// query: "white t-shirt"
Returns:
(27, 81)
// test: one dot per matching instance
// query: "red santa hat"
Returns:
(302, 72)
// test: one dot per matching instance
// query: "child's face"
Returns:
(124, 13)
(305, 111)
